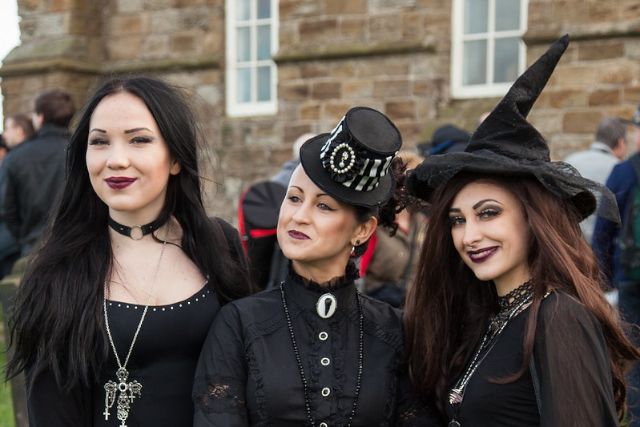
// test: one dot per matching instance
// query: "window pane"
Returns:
(474, 56)
(243, 90)
(244, 10)
(264, 9)
(505, 64)
(244, 44)
(476, 15)
(507, 15)
(264, 83)
(264, 42)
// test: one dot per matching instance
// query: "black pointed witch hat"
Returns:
(506, 144)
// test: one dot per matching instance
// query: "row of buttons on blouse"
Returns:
(325, 361)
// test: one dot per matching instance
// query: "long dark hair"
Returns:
(448, 308)
(57, 321)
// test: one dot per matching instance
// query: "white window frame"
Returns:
(255, 108)
(458, 90)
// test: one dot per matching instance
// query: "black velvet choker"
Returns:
(136, 232)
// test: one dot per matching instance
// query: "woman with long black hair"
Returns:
(507, 324)
(110, 317)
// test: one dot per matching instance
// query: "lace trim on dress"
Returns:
(338, 350)
(254, 371)
(219, 395)
(351, 274)
(392, 389)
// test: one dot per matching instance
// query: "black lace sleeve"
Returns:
(220, 379)
(572, 361)
(410, 410)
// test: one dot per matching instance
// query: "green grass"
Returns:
(6, 407)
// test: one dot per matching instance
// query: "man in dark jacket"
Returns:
(17, 129)
(35, 169)
(623, 182)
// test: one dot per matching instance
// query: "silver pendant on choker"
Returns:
(326, 305)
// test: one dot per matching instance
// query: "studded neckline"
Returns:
(197, 297)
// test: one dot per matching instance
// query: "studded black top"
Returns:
(248, 373)
(163, 360)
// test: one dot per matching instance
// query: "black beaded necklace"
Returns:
(296, 351)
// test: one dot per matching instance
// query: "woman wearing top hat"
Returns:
(507, 324)
(314, 351)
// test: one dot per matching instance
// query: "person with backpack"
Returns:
(618, 250)
(258, 211)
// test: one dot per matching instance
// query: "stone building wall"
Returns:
(598, 76)
(393, 55)
(60, 47)
(385, 54)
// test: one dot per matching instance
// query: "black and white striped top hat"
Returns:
(352, 162)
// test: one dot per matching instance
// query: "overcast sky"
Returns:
(10, 34)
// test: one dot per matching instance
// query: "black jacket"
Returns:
(248, 375)
(35, 176)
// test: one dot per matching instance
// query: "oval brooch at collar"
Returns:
(326, 305)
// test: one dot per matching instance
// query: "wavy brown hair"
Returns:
(448, 307)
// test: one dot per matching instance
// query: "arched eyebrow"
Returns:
(302, 191)
(477, 205)
(481, 202)
(136, 130)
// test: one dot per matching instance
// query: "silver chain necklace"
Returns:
(128, 390)
(456, 395)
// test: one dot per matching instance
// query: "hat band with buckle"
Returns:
(351, 165)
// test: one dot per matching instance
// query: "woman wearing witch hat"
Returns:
(507, 324)
(113, 310)
(314, 351)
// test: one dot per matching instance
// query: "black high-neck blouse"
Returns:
(248, 375)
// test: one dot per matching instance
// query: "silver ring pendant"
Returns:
(136, 232)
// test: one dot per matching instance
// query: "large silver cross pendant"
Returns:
(127, 391)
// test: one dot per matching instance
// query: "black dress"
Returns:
(573, 371)
(163, 360)
(248, 374)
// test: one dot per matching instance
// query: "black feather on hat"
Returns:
(507, 144)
